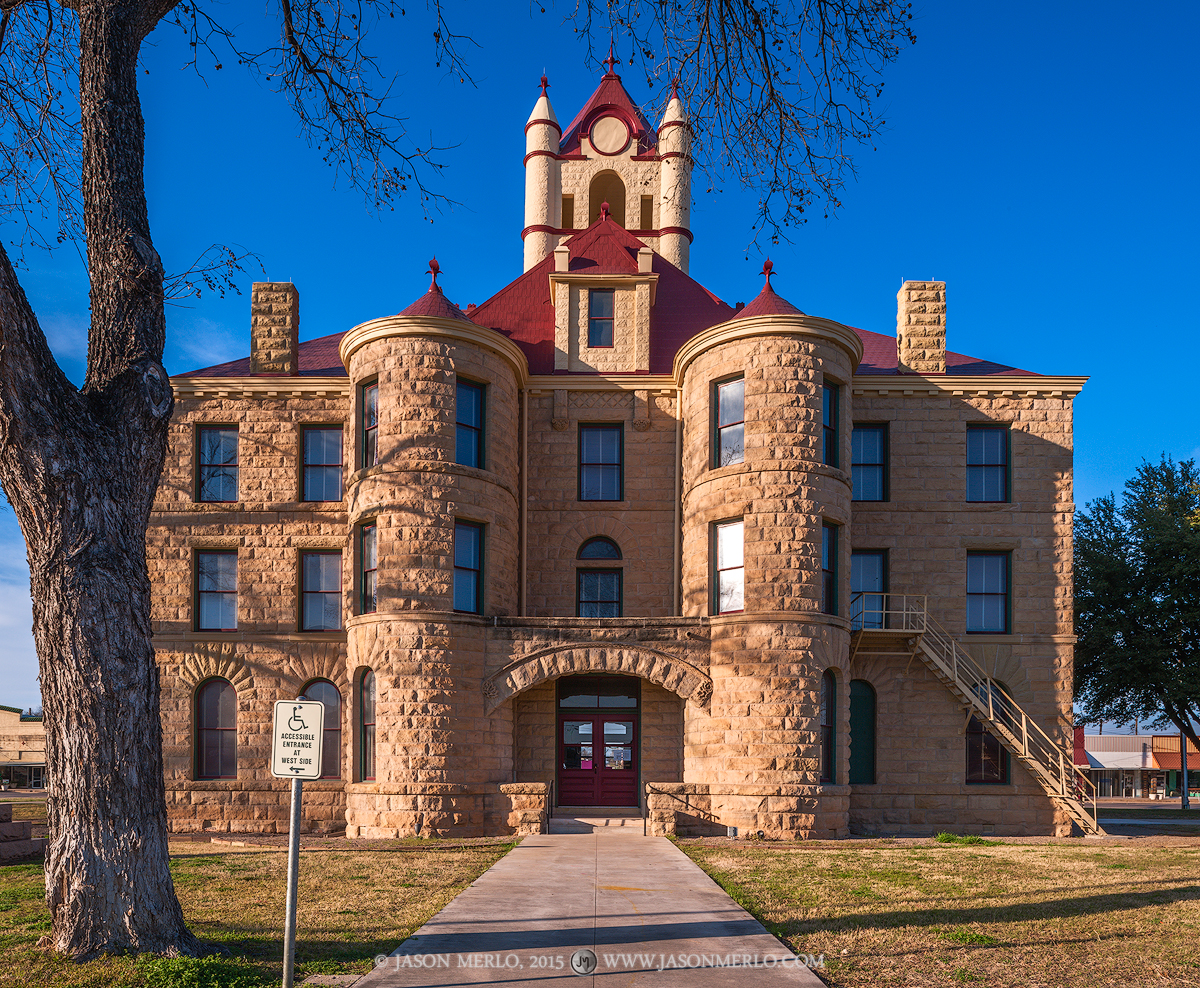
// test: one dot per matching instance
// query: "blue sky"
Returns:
(1039, 158)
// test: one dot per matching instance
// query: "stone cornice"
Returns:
(454, 329)
(283, 386)
(546, 383)
(781, 325)
(629, 280)
(1000, 385)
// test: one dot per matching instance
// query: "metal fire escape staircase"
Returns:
(900, 624)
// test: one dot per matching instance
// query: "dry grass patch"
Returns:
(912, 913)
(352, 906)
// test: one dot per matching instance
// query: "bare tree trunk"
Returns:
(81, 469)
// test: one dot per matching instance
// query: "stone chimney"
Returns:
(921, 327)
(274, 328)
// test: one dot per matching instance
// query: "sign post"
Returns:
(296, 737)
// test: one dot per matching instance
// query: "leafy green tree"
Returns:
(1137, 600)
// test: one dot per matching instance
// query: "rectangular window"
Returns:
(987, 593)
(829, 421)
(369, 555)
(987, 463)
(647, 218)
(468, 423)
(468, 567)
(598, 593)
(320, 591)
(323, 463)
(868, 462)
(600, 462)
(370, 424)
(730, 405)
(868, 587)
(729, 577)
(216, 591)
(829, 569)
(217, 463)
(600, 317)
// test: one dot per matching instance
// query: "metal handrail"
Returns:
(1021, 734)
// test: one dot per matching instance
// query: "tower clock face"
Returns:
(610, 135)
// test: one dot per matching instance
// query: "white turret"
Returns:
(675, 184)
(543, 192)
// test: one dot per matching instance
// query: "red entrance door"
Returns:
(597, 759)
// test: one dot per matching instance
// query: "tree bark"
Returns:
(81, 469)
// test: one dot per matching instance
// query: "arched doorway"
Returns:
(607, 187)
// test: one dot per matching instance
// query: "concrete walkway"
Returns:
(638, 903)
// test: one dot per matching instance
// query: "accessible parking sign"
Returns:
(296, 739)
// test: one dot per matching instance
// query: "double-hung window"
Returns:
(829, 425)
(730, 426)
(598, 593)
(987, 463)
(366, 726)
(468, 567)
(600, 462)
(216, 591)
(829, 569)
(868, 586)
(323, 463)
(600, 317)
(216, 730)
(729, 571)
(988, 600)
(368, 549)
(217, 463)
(370, 424)
(868, 462)
(320, 591)
(828, 712)
(468, 423)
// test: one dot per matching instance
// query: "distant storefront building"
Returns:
(1145, 766)
(22, 749)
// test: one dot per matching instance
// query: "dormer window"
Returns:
(600, 317)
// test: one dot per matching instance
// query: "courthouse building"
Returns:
(608, 541)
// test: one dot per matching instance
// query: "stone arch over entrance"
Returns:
(668, 671)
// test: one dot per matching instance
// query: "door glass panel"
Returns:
(577, 731)
(618, 745)
(577, 756)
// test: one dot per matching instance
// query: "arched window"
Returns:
(828, 720)
(216, 730)
(862, 733)
(599, 548)
(987, 758)
(366, 726)
(325, 692)
(607, 187)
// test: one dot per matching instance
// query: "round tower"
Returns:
(675, 184)
(543, 184)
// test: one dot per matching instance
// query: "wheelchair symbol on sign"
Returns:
(296, 722)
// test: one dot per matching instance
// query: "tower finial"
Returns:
(768, 270)
(435, 271)
(545, 84)
(675, 88)
(610, 61)
(605, 212)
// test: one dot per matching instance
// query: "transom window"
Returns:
(729, 446)
(216, 730)
(730, 570)
(829, 570)
(369, 556)
(987, 463)
(216, 591)
(829, 425)
(599, 548)
(868, 462)
(600, 317)
(468, 566)
(598, 593)
(324, 692)
(320, 591)
(370, 427)
(217, 463)
(987, 593)
(468, 423)
(600, 462)
(323, 463)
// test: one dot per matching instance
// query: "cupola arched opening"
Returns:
(607, 187)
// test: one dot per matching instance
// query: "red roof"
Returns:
(610, 97)
(768, 304)
(434, 303)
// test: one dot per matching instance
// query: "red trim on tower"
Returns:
(672, 123)
(544, 120)
(683, 230)
(673, 154)
(538, 154)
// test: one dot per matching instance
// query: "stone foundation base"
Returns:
(253, 807)
(691, 809)
(998, 811)
(380, 809)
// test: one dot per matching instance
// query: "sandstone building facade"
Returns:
(605, 540)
